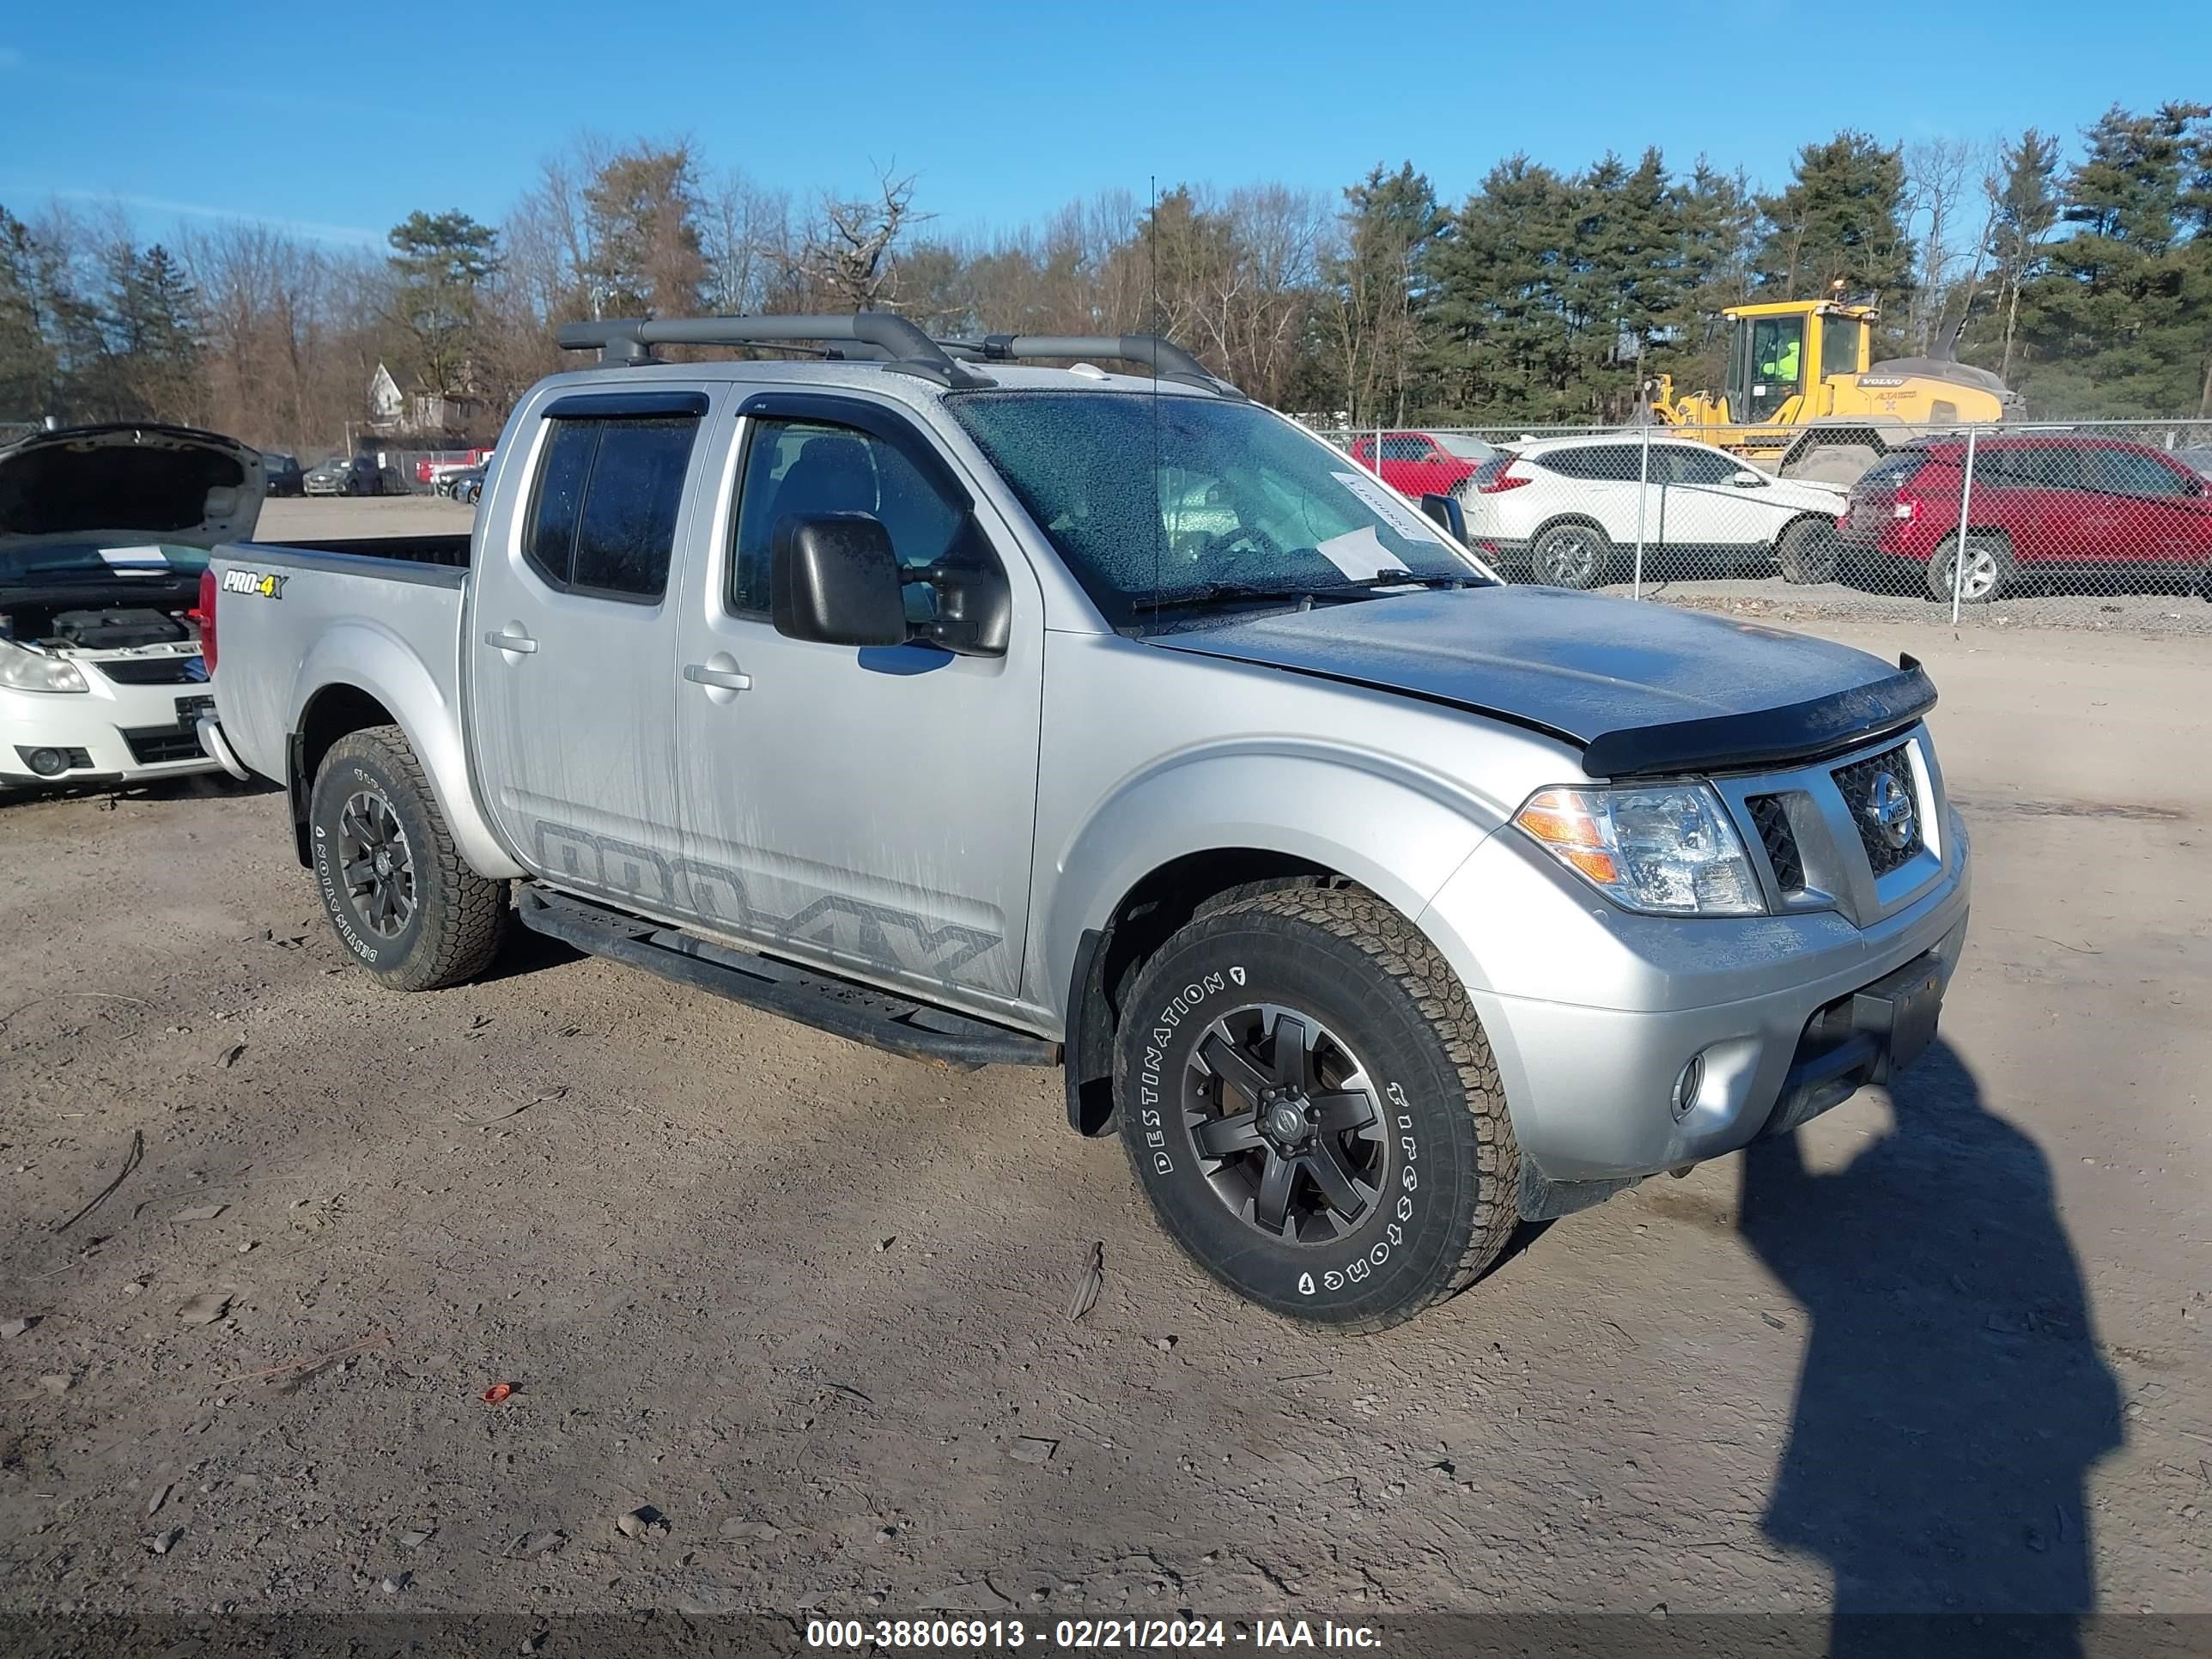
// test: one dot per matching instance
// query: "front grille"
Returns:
(152, 744)
(1858, 783)
(156, 671)
(1780, 840)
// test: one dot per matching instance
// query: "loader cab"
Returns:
(1766, 367)
(1777, 352)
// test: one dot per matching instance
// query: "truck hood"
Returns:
(125, 483)
(1642, 690)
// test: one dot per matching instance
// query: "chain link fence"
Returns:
(2088, 524)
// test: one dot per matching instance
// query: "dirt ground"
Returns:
(809, 1302)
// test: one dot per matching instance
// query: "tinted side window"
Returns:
(2125, 470)
(2050, 467)
(549, 541)
(627, 528)
(796, 469)
(1617, 463)
(1698, 466)
(1405, 449)
(604, 518)
(1567, 462)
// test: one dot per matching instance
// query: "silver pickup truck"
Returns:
(1004, 713)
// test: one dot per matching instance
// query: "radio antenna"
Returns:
(1159, 332)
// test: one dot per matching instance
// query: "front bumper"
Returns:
(1770, 1005)
(112, 734)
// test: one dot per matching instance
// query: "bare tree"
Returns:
(1938, 174)
(847, 253)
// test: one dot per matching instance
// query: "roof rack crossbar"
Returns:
(897, 340)
(1163, 357)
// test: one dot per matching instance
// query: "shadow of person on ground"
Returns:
(1952, 1399)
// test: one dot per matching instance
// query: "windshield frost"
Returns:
(1168, 497)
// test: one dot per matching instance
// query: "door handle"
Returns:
(726, 679)
(506, 641)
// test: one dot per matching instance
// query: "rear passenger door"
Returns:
(570, 651)
(1600, 482)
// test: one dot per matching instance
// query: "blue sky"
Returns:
(341, 120)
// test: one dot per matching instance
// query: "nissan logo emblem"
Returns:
(1889, 805)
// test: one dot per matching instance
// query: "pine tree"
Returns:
(439, 264)
(1504, 333)
(1841, 219)
(1378, 292)
(2023, 209)
(2116, 324)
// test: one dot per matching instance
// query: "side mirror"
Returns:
(834, 579)
(1448, 515)
(1749, 481)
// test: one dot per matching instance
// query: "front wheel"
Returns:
(1571, 555)
(402, 901)
(1308, 1099)
(1807, 553)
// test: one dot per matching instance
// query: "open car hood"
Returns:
(124, 484)
(1643, 689)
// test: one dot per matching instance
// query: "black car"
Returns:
(283, 473)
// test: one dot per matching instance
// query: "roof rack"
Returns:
(886, 337)
(889, 337)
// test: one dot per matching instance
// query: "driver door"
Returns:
(867, 810)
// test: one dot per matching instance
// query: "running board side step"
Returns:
(844, 1008)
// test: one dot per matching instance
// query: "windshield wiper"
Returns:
(1232, 593)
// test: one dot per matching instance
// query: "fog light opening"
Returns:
(47, 762)
(1689, 1086)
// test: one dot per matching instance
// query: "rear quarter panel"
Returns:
(313, 621)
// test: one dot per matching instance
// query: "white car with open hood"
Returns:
(104, 532)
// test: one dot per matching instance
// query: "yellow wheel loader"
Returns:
(1800, 399)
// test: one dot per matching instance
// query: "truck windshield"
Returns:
(1178, 499)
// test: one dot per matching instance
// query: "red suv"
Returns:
(1419, 464)
(2093, 508)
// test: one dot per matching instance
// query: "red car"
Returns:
(2094, 508)
(1419, 464)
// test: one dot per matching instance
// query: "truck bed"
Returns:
(451, 552)
(383, 613)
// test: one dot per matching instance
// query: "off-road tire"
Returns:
(1575, 555)
(457, 918)
(1808, 552)
(1985, 551)
(1447, 1184)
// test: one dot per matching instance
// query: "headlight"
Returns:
(1670, 850)
(34, 671)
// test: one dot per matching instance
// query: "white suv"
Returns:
(1565, 511)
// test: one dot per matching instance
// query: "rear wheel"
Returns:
(1979, 573)
(1571, 555)
(1309, 1101)
(1808, 552)
(393, 885)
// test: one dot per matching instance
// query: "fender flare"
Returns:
(1397, 831)
(372, 658)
